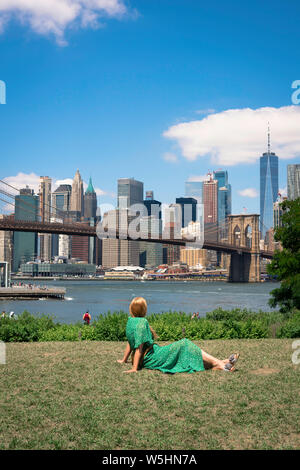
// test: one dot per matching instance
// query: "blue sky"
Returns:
(102, 95)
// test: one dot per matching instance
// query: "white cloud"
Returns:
(170, 157)
(21, 180)
(54, 16)
(239, 135)
(249, 192)
(57, 183)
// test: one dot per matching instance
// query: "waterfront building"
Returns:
(25, 243)
(45, 214)
(268, 188)
(58, 269)
(293, 181)
(210, 202)
(194, 258)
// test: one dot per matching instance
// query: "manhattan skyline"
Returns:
(151, 94)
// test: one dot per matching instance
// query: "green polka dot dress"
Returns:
(180, 356)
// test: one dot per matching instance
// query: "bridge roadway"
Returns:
(85, 230)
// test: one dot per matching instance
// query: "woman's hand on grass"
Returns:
(121, 361)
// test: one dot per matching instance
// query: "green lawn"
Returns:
(66, 395)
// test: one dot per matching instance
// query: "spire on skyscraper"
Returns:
(269, 140)
(90, 188)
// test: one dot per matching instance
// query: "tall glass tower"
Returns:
(194, 189)
(224, 201)
(25, 243)
(268, 188)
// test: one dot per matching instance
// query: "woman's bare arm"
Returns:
(126, 354)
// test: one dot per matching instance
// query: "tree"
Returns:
(286, 262)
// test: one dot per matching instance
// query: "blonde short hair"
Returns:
(138, 307)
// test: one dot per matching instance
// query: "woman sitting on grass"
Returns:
(180, 356)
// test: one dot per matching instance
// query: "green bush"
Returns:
(170, 326)
(291, 328)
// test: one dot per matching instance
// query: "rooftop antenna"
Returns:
(269, 145)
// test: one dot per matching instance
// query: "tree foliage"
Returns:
(286, 262)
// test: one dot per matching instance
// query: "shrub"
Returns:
(170, 326)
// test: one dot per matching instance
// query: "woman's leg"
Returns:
(211, 362)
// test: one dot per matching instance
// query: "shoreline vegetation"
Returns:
(169, 326)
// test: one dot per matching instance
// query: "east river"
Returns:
(102, 296)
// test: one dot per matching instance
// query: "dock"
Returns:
(22, 293)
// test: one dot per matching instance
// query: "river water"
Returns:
(102, 296)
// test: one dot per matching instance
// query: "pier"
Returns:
(33, 292)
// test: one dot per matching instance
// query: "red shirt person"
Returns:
(87, 318)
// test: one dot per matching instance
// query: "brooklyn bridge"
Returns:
(242, 246)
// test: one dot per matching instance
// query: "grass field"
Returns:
(66, 395)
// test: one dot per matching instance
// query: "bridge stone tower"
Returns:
(243, 231)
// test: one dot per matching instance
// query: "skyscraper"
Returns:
(293, 181)
(210, 202)
(268, 188)
(90, 202)
(188, 207)
(130, 191)
(45, 214)
(194, 189)
(151, 254)
(224, 201)
(25, 243)
(76, 205)
(277, 212)
(90, 215)
(61, 199)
